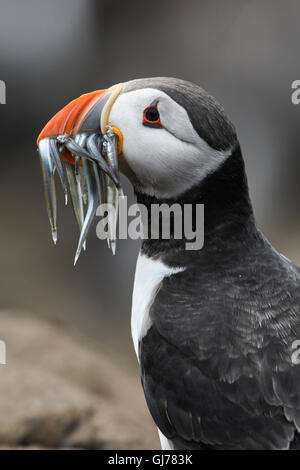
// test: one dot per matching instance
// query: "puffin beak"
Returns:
(80, 145)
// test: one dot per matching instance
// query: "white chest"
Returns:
(148, 276)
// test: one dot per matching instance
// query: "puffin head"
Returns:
(169, 136)
(174, 135)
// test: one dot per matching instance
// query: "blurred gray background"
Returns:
(246, 53)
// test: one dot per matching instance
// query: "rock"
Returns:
(57, 391)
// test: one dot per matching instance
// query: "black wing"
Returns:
(216, 364)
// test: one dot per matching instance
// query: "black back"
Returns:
(216, 364)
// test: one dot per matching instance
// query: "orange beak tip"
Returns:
(81, 114)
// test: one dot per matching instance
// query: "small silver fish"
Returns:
(92, 179)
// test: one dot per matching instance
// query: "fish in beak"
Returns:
(83, 149)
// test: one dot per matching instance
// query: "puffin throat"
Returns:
(227, 210)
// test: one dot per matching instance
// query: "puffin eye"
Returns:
(151, 117)
(151, 114)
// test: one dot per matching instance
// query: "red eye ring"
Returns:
(151, 117)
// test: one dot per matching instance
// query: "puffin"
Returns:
(214, 329)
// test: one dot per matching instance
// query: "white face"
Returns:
(168, 160)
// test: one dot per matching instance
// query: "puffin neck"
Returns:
(228, 211)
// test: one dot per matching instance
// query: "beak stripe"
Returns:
(85, 111)
(114, 93)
